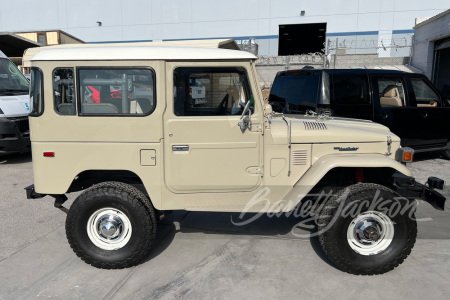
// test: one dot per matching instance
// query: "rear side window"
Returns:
(294, 94)
(351, 89)
(64, 91)
(116, 91)
(425, 96)
(36, 93)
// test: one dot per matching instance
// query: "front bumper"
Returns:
(14, 135)
(408, 187)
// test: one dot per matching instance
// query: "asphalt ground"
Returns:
(204, 256)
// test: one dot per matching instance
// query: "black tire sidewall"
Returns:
(387, 256)
(78, 228)
(335, 242)
(446, 153)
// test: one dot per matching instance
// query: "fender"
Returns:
(327, 162)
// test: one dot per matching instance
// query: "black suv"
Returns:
(407, 103)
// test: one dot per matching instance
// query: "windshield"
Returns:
(12, 81)
(294, 93)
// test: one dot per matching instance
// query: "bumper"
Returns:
(14, 135)
(31, 194)
(408, 187)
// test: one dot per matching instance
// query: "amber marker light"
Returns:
(407, 156)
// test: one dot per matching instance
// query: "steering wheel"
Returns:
(222, 108)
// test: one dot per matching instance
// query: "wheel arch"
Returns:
(332, 168)
(88, 178)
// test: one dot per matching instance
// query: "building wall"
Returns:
(353, 22)
(426, 35)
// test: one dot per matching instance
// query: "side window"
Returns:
(64, 91)
(116, 91)
(425, 96)
(351, 89)
(36, 93)
(210, 91)
(391, 92)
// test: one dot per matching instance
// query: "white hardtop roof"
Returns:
(139, 53)
(169, 50)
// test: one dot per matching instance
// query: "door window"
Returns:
(391, 92)
(210, 91)
(425, 96)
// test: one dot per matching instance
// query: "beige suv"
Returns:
(118, 124)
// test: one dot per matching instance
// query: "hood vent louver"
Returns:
(314, 125)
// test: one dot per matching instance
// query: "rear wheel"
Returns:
(367, 229)
(111, 225)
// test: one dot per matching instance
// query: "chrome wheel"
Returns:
(109, 228)
(370, 233)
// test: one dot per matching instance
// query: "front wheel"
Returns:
(446, 153)
(367, 229)
(111, 225)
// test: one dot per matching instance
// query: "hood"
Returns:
(311, 130)
(15, 106)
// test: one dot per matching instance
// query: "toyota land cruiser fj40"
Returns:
(152, 150)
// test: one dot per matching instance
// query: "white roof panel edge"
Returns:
(139, 53)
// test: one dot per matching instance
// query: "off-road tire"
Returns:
(446, 153)
(129, 200)
(333, 226)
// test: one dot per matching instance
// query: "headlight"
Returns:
(404, 155)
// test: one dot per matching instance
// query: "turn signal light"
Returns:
(49, 154)
(405, 155)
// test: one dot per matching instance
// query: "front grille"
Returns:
(21, 124)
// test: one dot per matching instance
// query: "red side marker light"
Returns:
(49, 154)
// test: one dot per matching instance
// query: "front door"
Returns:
(392, 109)
(432, 111)
(204, 147)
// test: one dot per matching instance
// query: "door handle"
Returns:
(424, 114)
(180, 148)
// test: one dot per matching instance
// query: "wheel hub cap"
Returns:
(370, 233)
(109, 228)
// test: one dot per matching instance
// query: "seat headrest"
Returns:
(390, 91)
